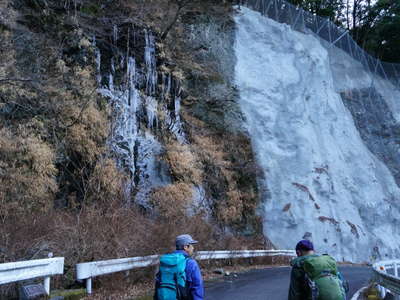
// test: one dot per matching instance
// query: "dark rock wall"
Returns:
(377, 127)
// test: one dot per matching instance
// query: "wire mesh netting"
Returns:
(374, 103)
(301, 20)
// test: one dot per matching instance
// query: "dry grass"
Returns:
(27, 174)
(53, 123)
(183, 162)
(105, 232)
(172, 201)
(228, 169)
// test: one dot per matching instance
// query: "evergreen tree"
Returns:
(380, 34)
(375, 25)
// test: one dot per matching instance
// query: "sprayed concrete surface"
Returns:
(321, 180)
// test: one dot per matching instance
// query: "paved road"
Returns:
(272, 284)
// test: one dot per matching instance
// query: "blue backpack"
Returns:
(171, 283)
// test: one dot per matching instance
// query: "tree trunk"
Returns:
(166, 31)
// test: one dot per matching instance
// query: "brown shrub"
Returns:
(230, 172)
(88, 133)
(231, 209)
(183, 162)
(27, 174)
(97, 233)
(172, 201)
(106, 184)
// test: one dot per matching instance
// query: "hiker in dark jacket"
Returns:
(314, 277)
(194, 282)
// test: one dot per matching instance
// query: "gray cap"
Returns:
(184, 240)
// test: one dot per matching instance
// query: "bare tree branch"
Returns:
(180, 5)
(83, 108)
(14, 79)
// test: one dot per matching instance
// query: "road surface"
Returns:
(273, 283)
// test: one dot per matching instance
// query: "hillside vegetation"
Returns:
(60, 188)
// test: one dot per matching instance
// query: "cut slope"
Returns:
(321, 180)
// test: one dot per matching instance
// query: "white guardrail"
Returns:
(86, 271)
(30, 269)
(386, 275)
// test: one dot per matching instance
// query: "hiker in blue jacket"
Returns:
(194, 282)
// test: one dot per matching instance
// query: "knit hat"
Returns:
(304, 245)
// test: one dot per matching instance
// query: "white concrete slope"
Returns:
(321, 180)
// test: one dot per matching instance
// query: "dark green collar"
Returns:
(298, 260)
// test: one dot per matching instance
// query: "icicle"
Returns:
(134, 37)
(150, 59)
(130, 75)
(177, 101)
(112, 65)
(131, 72)
(166, 86)
(176, 124)
(111, 82)
(115, 34)
(177, 107)
(169, 85)
(163, 86)
(98, 64)
(132, 101)
(151, 111)
(111, 76)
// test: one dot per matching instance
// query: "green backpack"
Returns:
(172, 277)
(323, 277)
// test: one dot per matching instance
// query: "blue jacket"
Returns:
(194, 281)
(193, 277)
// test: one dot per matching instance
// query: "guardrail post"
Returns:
(30, 269)
(89, 285)
(47, 285)
(396, 274)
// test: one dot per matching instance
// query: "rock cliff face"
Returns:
(95, 86)
(328, 153)
(168, 115)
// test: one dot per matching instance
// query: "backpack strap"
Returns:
(313, 287)
(183, 293)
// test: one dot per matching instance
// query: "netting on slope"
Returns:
(377, 123)
(301, 20)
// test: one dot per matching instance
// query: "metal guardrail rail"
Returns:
(386, 275)
(86, 271)
(30, 269)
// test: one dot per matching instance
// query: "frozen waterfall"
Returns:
(137, 101)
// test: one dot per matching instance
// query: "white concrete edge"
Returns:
(358, 293)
